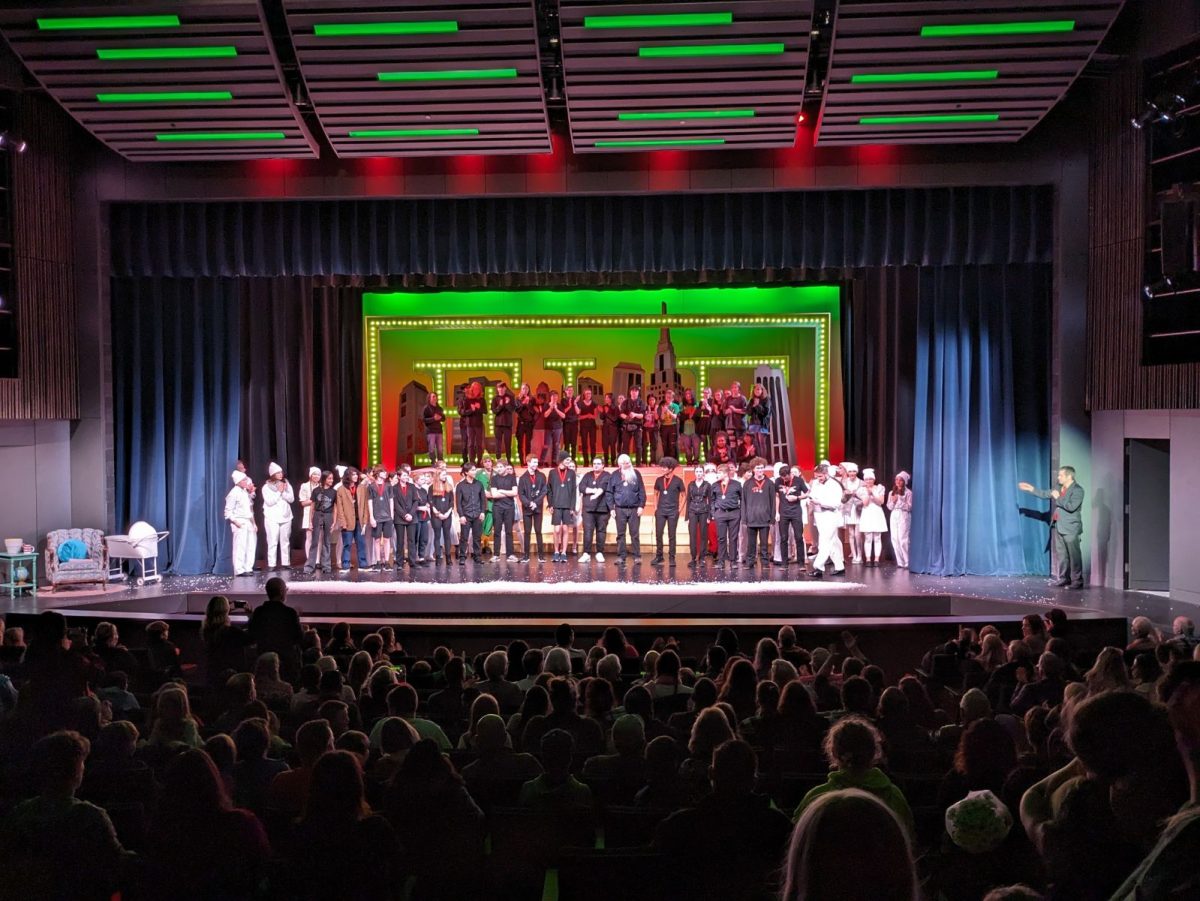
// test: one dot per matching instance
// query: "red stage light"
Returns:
(800, 117)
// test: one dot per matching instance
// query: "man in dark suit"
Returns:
(1067, 522)
(275, 626)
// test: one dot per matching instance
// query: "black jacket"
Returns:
(629, 407)
(758, 502)
(726, 505)
(531, 491)
(504, 407)
(590, 480)
(561, 490)
(735, 413)
(760, 413)
(796, 488)
(432, 425)
(621, 494)
(406, 498)
(471, 410)
(468, 498)
(698, 500)
(524, 409)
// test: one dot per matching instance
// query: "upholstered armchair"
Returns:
(93, 568)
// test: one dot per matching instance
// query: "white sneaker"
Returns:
(512, 558)
(584, 558)
(599, 557)
(496, 558)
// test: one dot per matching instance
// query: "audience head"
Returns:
(563, 697)
(850, 846)
(402, 701)
(733, 768)
(638, 702)
(857, 696)
(491, 736)
(116, 741)
(192, 789)
(786, 638)
(337, 714)
(313, 739)
(221, 749)
(58, 762)
(252, 738)
(973, 705)
(710, 730)
(357, 743)
(629, 735)
(564, 636)
(986, 754)
(783, 673)
(276, 589)
(853, 745)
(609, 668)
(558, 662)
(495, 666)
(531, 661)
(396, 735)
(558, 747)
(335, 792)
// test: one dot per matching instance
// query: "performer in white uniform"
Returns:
(852, 510)
(826, 495)
(306, 505)
(278, 498)
(240, 516)
(873, 523)
(899, 501)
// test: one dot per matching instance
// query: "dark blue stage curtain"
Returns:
(981, 418)
(176, 377)
(562, 236)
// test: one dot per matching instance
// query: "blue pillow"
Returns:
(72, 549)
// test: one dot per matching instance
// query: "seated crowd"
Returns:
(293, 763)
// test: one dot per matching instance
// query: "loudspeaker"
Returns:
(1179, 251)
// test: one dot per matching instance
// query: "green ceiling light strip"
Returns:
(993, 29)
(221, 136)
(664, 142)
(658, 20)
(413, 132)
(913, 120)
(80, 23)
(687, 114)
(366, 29)
(911, 77)
(134, 53)
(448, 75)
(673, 51)
(162, 96)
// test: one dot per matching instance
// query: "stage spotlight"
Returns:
(1163, 286)
(1164, 108)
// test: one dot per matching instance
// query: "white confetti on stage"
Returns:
(525, 589)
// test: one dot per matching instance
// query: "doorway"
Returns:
(1147, 514)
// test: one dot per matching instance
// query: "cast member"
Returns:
(570, 420)
(852, 510)
(504, 408)
(668, 424)
(406, 499)
(561, 495)
(531, 494)
(827, 496)
(872, 523)
(503, 494)
(382, 526)
(554, 427)
(610, 420)
(593, 504)
(697, 516)
(633, 414)
(735, 412)
(320, 546)
(470, 504)
(1067, 520)
(278, 498)
(441, 511)
(588, 414)
(239, 513)
(899, 502)
(435, 428)
(627, 496)
(470, 411)
(758, 419)
(305, 498)
(350, 517)
(523, 406)
(725, 499)
(791, 494)
(758, 511)
(667, 489)
(689, 427)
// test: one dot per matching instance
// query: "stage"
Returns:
(538, 593)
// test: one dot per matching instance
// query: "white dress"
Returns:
(872, 519)
(852, 508)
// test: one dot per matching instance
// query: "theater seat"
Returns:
(630, 827)
(630, 875)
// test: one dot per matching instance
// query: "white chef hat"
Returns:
(868, 473)
(238, 476)
(904, 475)
(850, 467)
(824, 463)
(776, 469)
(314, 471)
(341, 471)
(274, 469)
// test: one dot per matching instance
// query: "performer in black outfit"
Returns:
(504, 408)
(570, 424)
(791, 491)
(627, 496)
(726, 500)
(735, 412)
(441, 505)
(523, 405)
(587, 407)
(633, 415)
(531, 493)
(435, 421)
(593, 496)
(470, 410)
(758, 509)
(562, 496)
(610, 420)
(405, 501)
(503, 492)
(667, 489)
(471, 505)
(697, 517)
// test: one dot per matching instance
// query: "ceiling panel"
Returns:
(701, 75)
(164, 80)
(422, 78)
(944, 71)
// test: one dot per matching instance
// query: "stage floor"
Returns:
(595, 593)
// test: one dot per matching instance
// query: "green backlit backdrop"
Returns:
(416, 342)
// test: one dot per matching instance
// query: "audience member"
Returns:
(556, 788)
(274, 626)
